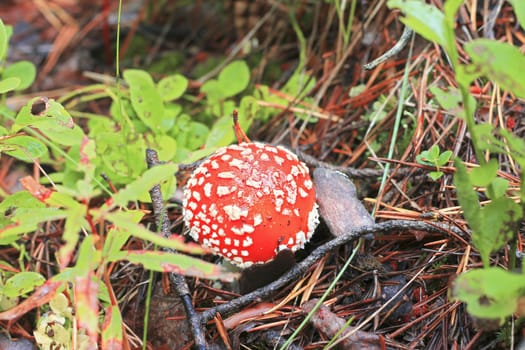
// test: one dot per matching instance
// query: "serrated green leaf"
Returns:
(9, 84)
(178, 263)
(500, 62)
(483, 175)
(172, 87)
(23, 70)
(145, 98)
(25, 148)
(151, 177)
(489, 293)
(22, 283)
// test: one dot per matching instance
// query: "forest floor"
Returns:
(397, 286)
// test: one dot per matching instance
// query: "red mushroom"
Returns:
(249, 201)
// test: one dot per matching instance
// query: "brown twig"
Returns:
(299, 269)
(177, 280)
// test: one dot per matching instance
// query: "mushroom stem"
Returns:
(239, 133)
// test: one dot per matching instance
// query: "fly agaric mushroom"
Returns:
(249, 201)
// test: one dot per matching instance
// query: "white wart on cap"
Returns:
(249, 201)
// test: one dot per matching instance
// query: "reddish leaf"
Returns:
(37, 190)
(86, 305)
(112, 329)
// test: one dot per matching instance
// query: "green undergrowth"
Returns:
(94, 218)
(494, 292)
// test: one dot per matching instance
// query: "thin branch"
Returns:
(177, 280)
(400, 45)
(303, 266)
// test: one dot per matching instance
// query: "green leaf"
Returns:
(213, 90)
(434, 153)
(444, 158)
(22, 199)
(145, 98)
(25, 221)
(22, 283)
(9, 84)
(467, 197)
(450, 8)
(500, 62)
(51, 118)
(123, 221)
(517, 146)
(426, 20)
(435, 175)
(451, 101)
(483, 175)
(499, 187)
(112, 328)
(151, 177)
(41, 296)
(519, 10)
(74, 223)
(299, 85)
(4, 41)
(59, 304)
(25, 148)
(172, 87)
(499, 222)
(221, 133)
(178, 263)
(489, 293)
(234, 78)
(24, 70)
(198, 132)
(116, 238)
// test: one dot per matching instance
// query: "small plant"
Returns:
(435, 158)
(492, 292)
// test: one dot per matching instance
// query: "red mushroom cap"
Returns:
(249, 201)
